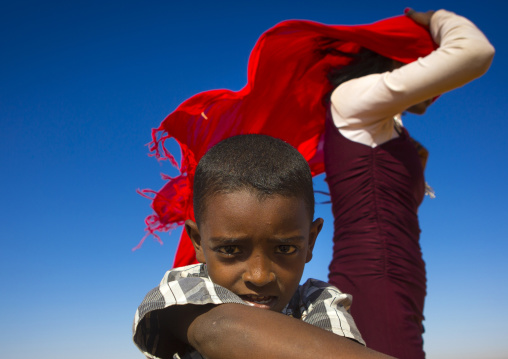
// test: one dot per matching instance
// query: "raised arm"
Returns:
(238, 331)
(464, 54)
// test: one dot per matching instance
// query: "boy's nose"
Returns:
(258, 272)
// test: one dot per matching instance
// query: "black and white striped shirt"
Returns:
(315, 302)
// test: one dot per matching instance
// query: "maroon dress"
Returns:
(375, 195)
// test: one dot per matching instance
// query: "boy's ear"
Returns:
(315, 228)
(193, 232)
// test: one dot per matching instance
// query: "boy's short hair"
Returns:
(261, 163)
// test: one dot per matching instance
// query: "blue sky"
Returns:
(83, 83)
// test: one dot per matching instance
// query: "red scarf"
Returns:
(283, 98)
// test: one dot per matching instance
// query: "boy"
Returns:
(254, 232)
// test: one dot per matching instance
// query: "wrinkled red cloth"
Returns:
(282, 98)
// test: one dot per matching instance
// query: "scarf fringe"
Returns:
(172, 204)
(286, 82)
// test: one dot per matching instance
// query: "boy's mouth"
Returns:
(260, 301)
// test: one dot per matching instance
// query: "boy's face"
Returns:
(255, 248)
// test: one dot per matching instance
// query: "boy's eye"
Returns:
(229, 250)
(286, 249)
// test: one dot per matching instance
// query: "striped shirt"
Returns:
(315, 302)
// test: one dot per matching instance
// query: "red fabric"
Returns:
(283, 98)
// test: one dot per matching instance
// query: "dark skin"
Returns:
(238, 331)
(257, 248)
(252, 264)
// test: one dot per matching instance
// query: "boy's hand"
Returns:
(422, 18)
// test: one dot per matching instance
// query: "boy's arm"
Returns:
(238, 331)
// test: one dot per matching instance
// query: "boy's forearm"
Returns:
(237, 331)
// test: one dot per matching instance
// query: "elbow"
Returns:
(489, 55)
(483, 59)
(207, 333)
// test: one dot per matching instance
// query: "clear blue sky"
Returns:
(83, 83)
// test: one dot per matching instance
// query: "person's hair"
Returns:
(365, 62)
(259, 163)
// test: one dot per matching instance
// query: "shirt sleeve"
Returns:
(182, 286)
(326, 307)
(367, 103)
